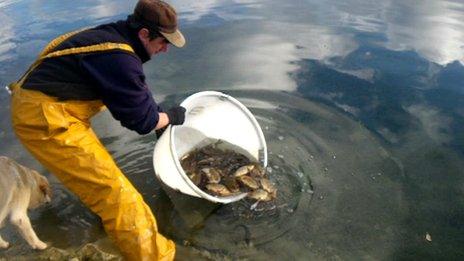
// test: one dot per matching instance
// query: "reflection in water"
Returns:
(438, 29)
(360, 103)
(270, 58)
(435, 125)
(6, 40)
(210, 12)
(434, 29)
(103, 9)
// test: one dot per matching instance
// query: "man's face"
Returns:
(157, 45)
(154, 46)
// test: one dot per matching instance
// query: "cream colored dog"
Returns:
(21, 189)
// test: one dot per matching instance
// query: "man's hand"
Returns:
(176, 115)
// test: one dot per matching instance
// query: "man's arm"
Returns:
(120, 81)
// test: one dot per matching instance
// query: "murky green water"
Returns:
(361, 104)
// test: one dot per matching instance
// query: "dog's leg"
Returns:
(3, 243)
(4, 206)
(20, 219)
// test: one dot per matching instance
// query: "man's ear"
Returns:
(144, 34)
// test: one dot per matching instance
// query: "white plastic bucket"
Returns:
(210, 116)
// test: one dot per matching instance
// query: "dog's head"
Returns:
(45, 188)
(43, 191)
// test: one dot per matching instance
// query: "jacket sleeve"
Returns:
(120, 82)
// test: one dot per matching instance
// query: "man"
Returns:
(75, 77)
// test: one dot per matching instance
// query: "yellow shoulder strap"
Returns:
(76, 50)
(90, 49)
(55, 42)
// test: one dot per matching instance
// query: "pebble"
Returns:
(290, 210)
(254, 205)
(321, 197)
(63, 228)
(87, 252)
(281, 137)
(83, 221)
(300, 174)
(280, 156)
(428, 237)
(7, 89)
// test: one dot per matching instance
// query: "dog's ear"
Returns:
(44, 186)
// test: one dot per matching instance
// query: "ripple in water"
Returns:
(313, 151)
(243, 222)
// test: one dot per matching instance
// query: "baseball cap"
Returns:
(160, 16)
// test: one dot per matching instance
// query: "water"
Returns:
(360, 103)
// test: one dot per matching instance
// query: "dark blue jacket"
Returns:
(116, 77)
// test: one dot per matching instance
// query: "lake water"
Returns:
(361, 104)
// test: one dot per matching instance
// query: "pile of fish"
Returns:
(226, 172)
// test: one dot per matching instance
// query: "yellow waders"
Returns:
(59, 135)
